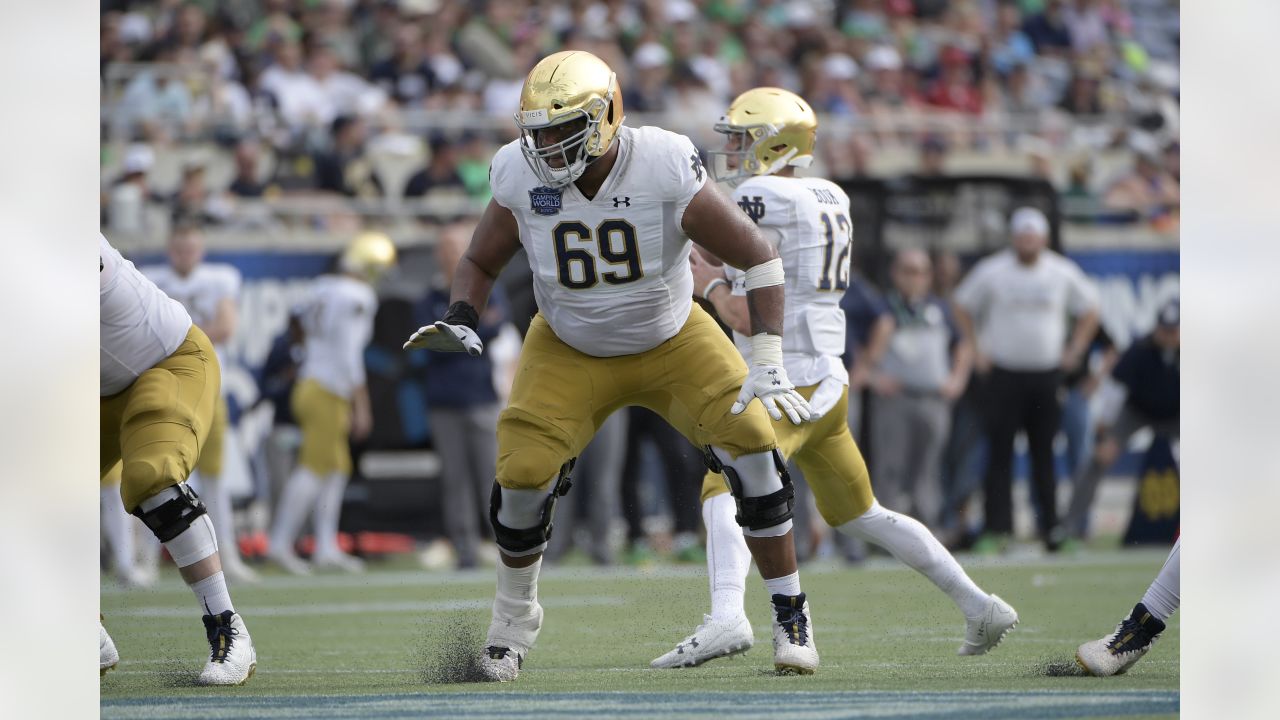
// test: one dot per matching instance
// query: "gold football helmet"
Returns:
(368, 256)
(768, 129)
(568, 87)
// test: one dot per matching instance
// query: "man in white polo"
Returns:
(1015, 308)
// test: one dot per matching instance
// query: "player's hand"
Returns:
(825, 398)
(776, 393)
(443, 337)
(703, 272)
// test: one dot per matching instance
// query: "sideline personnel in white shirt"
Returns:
(1015, 308)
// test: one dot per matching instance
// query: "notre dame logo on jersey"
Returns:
(695, 163)
(753, 207)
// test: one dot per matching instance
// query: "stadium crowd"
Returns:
(307, 99)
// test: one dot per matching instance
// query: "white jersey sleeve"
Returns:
(338, 322)
(611, 272)
(139, 325)
(810, 219)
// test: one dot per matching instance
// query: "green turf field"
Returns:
(389, 644)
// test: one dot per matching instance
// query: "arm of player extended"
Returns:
(495, 241)
(715, 223)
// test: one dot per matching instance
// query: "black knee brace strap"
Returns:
(174, 516)
(523, 539)
(757, 513)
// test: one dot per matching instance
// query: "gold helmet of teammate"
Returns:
(368, 256)
(568, 87)
(768, 129)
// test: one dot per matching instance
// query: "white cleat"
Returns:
(237, 571)
(985, 631)
(338, 561)
(712, 639)
(232, 658)
(508, 644)
(289, 561)
(793, 648)
(1117, 652)
(108, 658)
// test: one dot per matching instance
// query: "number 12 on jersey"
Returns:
(839, 239)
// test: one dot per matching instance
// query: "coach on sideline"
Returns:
(1013, 308)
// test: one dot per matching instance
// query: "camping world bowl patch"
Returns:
(545, 200)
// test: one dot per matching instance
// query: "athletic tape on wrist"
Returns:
(766, 349)
(765, 274)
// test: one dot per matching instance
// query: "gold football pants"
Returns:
(561, 396)
(829, 458)
(325, 421)
(158, 425)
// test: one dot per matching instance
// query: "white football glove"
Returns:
(776, 393)
(825, 398)
(443, 337)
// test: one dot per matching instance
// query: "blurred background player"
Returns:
(1014, 309)
(606, 213)
(159, 379)
(118, 529)
(330, 403)
(209, 292)
(770, 132)
(1134, 636)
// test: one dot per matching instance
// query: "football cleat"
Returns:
(793, 648)
(500, 664)
(232, 658)
(289, 561)
(985, 631)
(509, 642)
(108, 658)
(712, 639)
(1117, 652)
(338, 561)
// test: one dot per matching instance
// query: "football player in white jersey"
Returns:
(331, 403)
(606, 213)
(159, 379)
(209, 292)
(769, 133)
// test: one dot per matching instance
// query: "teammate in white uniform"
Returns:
(606, 214)
(331, 403)
(209, 292)
(770, 132)
(159, 381)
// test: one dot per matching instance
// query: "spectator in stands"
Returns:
(347, 93)
(1011, 47)
(955, 88)
(1087, 25)
(246, 183)
(648, 90)
(933, 157)
(441, 170)
(924, 369)
(300, 101)
(1081, 384)
(194, 202)
(1148, 189)
(1173, 161)
(345, 168)
(407, 74)
(131, 194)
(1145, 394)
(1049, 31)
(462, 408)
(1013, 308)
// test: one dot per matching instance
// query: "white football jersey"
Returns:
(809, 220)
(200, 292)
(337, 317)
(611, 275)
(139, 325)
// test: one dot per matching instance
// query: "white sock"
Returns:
(118, 528)
(728, 559)
(788, 585)
(217, 499)
(912, 543)
(295, 503)
(328, 512)
(1163, 598)
(517, 589)
(212, 594)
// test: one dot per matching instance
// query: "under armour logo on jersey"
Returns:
(545, 200)
(622, 201)
(695, 163)
(753, 207)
